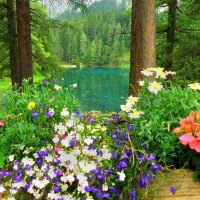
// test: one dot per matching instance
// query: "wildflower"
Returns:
(102, 106)
(91, 119)
(143, 182)
(172, 190)
(122, 164)
(88, 141)
(148, 175)
(177, 130)
(45, 82)
(194, 86)
(31, 105)
(64, 112)
(186, 138)
(155, 167)
(150, 157)
(132, 100)
(1, 123)
(11, 158)
(126, 107)
(170, 73)
(74, 85)
(147, 72)
(160, 73)
(35, 114)
(57, 189)
(77, 112)
(2, 189)
(141, 83)
(140, 158)
(155, 87)
(50, 112)
(117, 117)
(130, 127)
(122, 176)
(57, 87)
(55, 81)
(134, 114)
(7, 173)
(133, 194)
(17, 179)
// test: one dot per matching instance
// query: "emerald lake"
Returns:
(98, 86)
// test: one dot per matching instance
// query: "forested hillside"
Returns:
(98, 37)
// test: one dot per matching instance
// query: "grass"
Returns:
(5, 83)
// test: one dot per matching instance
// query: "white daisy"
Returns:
(155, 87)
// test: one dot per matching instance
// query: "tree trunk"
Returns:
(24, 41)
(171, 33)
(142, 40)
(13, 42)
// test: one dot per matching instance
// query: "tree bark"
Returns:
(143, 54)
(171, 30)
(24, 41)
(13, 42)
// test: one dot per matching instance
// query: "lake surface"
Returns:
(98, 86)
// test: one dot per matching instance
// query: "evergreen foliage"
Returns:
(96, 37)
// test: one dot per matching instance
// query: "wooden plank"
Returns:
(186, 188)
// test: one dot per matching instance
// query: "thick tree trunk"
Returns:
(171, 33)
(13, 42)
(24, 41)
(142, 40)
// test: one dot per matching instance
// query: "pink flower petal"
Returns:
(195, 145)
(186, 138)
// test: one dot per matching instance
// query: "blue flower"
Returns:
(172, 190)
(45, 82)
(56, 189)
(105, 195)
(1, 173)
(117, 117)
(91, 119)
(102, 106)
(87, 189)
(38, 162)
(56, 179)
(129, 153)
(140, 158)
(143, 182)
(150, 157)
(82, 117)
(114, 154)
(17, 179)
(19, 172)
(71, 143)
(107, 171)
(155, 167)
(7, 173)
(27, 186)
(35, 114)
(133, 194)
(130, 127)
(148, 175)
(123, 164)
(77, 112)
(108, 121)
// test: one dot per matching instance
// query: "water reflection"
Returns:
(99, 85)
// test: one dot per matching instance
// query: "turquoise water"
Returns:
(99, 86)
